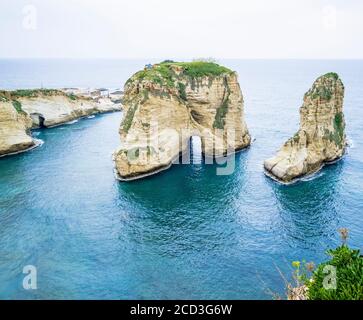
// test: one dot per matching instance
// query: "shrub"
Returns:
(323, 93)
(127, 122)
(182, 92)
(223, 109)
(163, 73)
(332, 75)
(72, 96)
(349, 275)
(33, 93)
(197, 69)
(17, 106)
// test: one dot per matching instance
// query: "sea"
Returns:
(186, 233)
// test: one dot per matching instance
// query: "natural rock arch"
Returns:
(171, 102)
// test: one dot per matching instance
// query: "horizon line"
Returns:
(176, 59)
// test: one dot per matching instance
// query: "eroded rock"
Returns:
(321, 138)
(22, 110)
(171, 102)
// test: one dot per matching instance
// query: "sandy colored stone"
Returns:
(14, 130)
(59, 109)
(159, 120)
(321, 138)
(42, 108)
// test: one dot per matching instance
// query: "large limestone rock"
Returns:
(14, 129)
(171, 102)
(321, 138)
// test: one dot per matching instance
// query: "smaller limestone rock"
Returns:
(321, 138)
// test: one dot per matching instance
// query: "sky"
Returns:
(170, 29)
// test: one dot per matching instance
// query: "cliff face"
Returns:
(22, 110)
(53, 107)
(321, 138)
(14, 129)
(167, 104)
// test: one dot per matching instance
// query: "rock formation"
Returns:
(50, 108)
(22, 110)
(321, 138)
(14, 128)
(168, 103)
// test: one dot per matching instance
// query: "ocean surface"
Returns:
(185, 233)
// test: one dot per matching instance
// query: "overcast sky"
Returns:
(182, 29)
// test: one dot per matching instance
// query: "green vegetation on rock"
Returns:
(18, 107)
(72, 96)
(134, 153)
(182, 92)
(33, 93)
(339, 278)
(296, 137)
(348, 264)
(323, 93)
(165, 75)
(127, 122)
(332, 75)
(223, 109)
(198, 69)
(4, 97)
(338, 135)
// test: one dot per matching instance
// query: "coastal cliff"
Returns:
(22, 110)
(168, 103)
(321, 138)
(14, 128)
(49, 108)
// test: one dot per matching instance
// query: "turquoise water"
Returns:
(185, 233)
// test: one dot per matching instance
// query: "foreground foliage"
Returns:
(340, 278)
(349, 276)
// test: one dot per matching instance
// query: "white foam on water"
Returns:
(71, 122)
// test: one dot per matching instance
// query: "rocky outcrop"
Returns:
(23, 110)
(171, 102)
(14, 129)
(50, 108)
(321, 138)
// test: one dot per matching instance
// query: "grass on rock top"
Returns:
(332, 75)
(163, 73)
(33, 93)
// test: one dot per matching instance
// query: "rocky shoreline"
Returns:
(24, 110)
